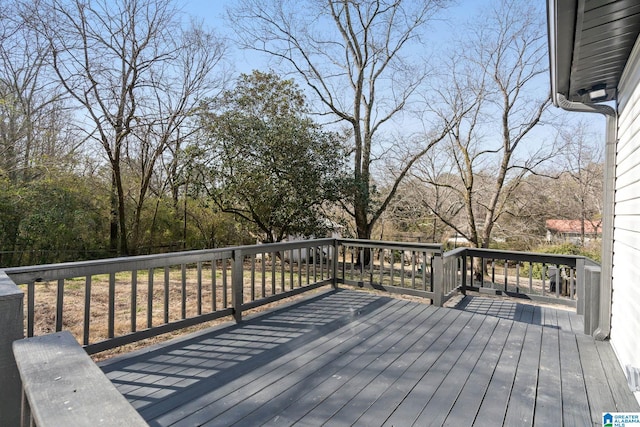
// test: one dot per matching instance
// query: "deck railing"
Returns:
(545, 277)
(124, 300)
(405, 268)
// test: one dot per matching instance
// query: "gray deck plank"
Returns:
(521, 405)
(575, 407)
(467, 405)
(214, 350)
(598, 394)
(309, 399)
(564, 324)
(440, 404)
(494, 405)
(548, 405)
(625, 402)
(233, 389)
(414, 403)
(391, 397)
(352, 360)
(356, 379)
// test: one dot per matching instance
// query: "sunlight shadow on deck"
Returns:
(209, 360)
(522, 312)
(354, 358)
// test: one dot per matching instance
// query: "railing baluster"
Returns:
(413, 269)
(291, 264)
(493, 272)
(391, 276)
(424, 271)
(59, 304)
(225, 298)
(87, 310)
(31, 291)
(402, 272)
(572, 283)
(306, 267)
(282, 275)
(253, 277)
(299, 267)
(530, 277)
(166, 294)
(199, 290)
(183, 291)
(273, 273)
(381, 262)
(214, 285)
(112, 305)
(506, 272)
(150, 299)
(263, 271)
(134, 299)
(518, 277)
(371, 262)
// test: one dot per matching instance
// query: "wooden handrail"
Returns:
(64, 387)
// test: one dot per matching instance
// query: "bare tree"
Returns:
(34, 119)
(137, 74)
(493, 76)
(575, 192)
(353, 56)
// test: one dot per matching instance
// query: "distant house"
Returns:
(570, 230)
(594, 53)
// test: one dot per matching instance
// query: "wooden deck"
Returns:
(353, 358)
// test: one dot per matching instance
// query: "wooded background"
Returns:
(125, 129)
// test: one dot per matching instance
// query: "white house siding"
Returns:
(625, 321)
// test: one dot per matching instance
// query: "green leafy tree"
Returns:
(266, 161)
(356, 59)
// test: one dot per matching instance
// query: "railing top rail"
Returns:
(141, 262)
(455, 252)
(80, 393)
(8, 288)
(278, 246)
(569, 260)
(429, 247)
(111, 265)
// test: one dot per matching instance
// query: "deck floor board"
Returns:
(349, 357)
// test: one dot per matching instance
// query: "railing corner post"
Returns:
(334, 264)
(463, 288)
(438, 278)
(237, 284)
(12, 329)
(580, 286)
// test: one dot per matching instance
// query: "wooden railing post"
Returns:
(592, 300)
(580, 286)
(237, 284)
(11, 329)
(438, 279)
(463, 289)
(334, 264)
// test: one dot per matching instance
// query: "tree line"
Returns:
(124, 129)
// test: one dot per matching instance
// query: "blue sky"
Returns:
(212, 13)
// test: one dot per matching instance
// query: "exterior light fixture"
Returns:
(598, 93)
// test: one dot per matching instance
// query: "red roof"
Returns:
(573, 226)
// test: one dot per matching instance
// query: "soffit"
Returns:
(590, 43)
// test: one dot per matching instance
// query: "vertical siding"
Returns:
(625, 321)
